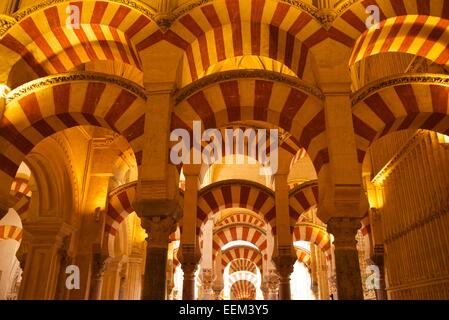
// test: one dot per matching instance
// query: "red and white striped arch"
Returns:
(8, 232)
(236, 194)
(315, 234)
(257, 99)
(242, 252)
(301, 199)
(304, 257)
(422, 36)
(243, 290)
(237, 265)
(21, 191)
(351, 23)
(49, 105)
(406, 102)
(223, 29)
(241, 218)
(241, 276)
(119, 207)
(108, 30)
(244, 233)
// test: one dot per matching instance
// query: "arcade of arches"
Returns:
(90, 91)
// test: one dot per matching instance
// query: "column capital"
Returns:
(284, 261)
(344, 231)
(159, 230)
(150, 209)
(47, 233)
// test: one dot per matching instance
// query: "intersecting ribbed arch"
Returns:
(400, 103)
(236, 194)
(255, 95)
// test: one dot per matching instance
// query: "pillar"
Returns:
(135, 273)
(349, 282)
(284, 256)
(273, 287)
(189, 253)
(158, 230)
(99, 264)
(188, 284)
(112, 279)
(42, 267)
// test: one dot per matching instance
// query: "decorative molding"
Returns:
(6, 22)
(49, 81)
(389, 167)
(413, 78)
(238, 224)
(212, 79)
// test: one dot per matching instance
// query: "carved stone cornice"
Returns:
(412, 78)
(49, 81)
(218, 77)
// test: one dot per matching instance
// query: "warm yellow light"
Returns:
(4, 90)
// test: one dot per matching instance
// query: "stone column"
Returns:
(99, 265)
(349, 282)
(158, 230)
(284, 266)
(188, 284)
(134, 282)
(112, 279)
(273, 287)
(42, 267)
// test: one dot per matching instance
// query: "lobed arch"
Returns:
(242, 252)
(412, 101)
(247, 233)
(236, 194)
(315, 234)
(108, 30)
(301, 199)
(49, 105)
(256, 95)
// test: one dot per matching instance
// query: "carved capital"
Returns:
(284, 259)
(344, 231)
(159, 230)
